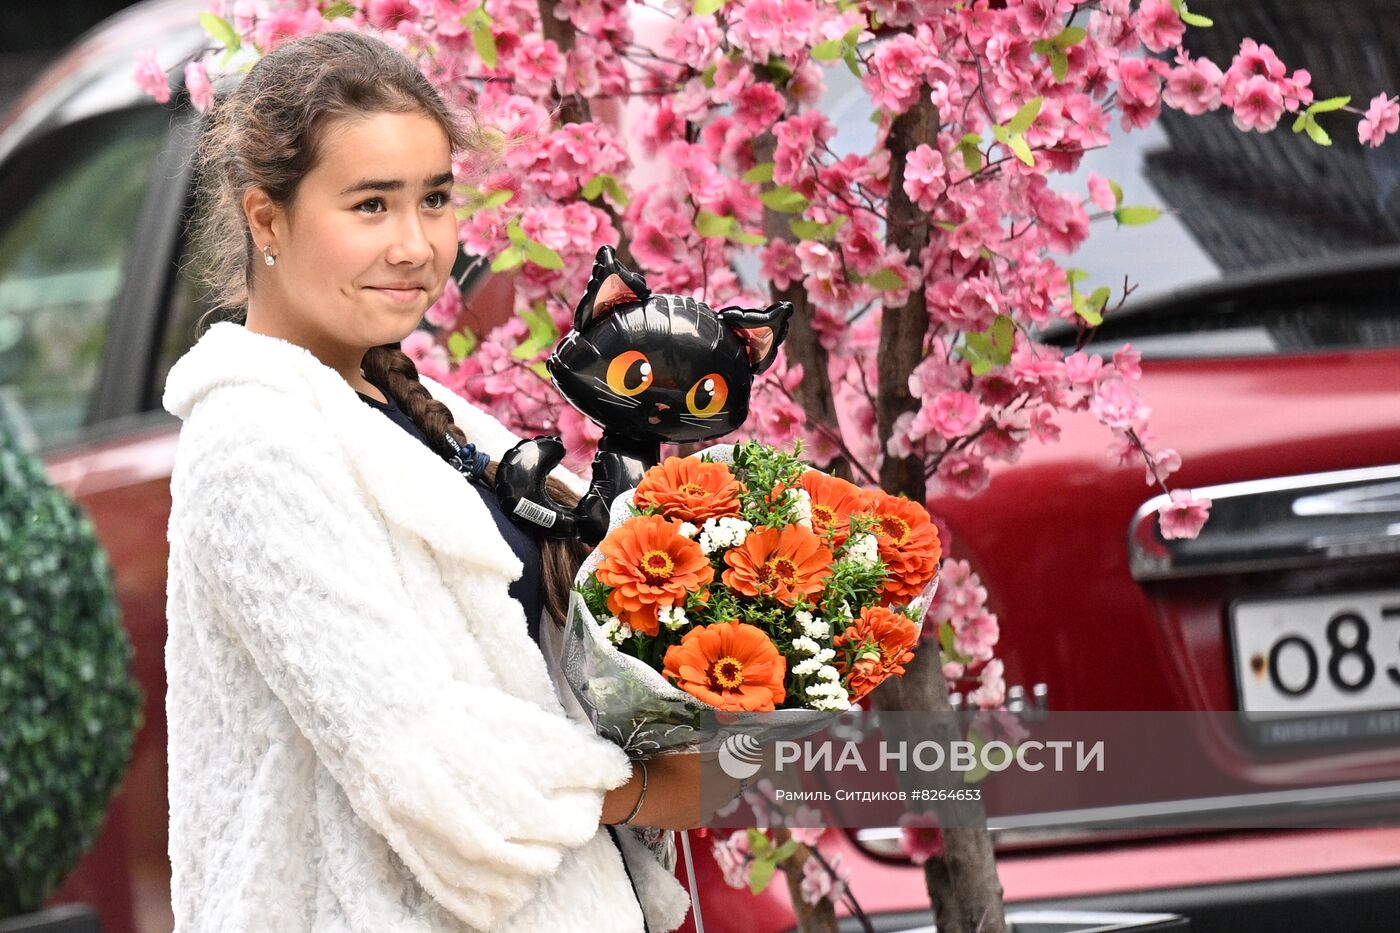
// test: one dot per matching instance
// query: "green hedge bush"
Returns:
(69, 708)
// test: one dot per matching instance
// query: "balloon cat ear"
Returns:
(611, 285)
(761, 331)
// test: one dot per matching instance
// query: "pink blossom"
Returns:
(388, 14)
(150, 77)
(992, 692)
(197, 85)
(779, 265)
(1158, 25)
(446, 311)
(1166, 462)
(758, 107)
(1252, 60)
(580, 437)
(536, 63)
(952, 414)
(1193, 86)
(896, 73)
(1382, 118)
(1118, 405)
(921, 838)
(1139, 92)
(976, 637)
(817, 259)
(925, 176)
(284, 25)
(962, 474)
(1082, 369)
(1258, 104)
(1101, 193)
(732, 856)
(1127, 362)
(818, 883)
(1042, 428)
(430, 358)
(1184, 516)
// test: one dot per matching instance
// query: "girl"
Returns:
(364, 735)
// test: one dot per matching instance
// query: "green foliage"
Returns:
(760, 469)
(69, 708)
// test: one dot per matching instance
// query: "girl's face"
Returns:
(369, 240)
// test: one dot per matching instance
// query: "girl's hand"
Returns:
(674, 798)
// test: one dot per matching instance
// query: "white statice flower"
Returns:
(624, 632)
(828, 695)
(802, 502)
(863, 549)
(672, 617)
(828, 673)
(687, 530)
(719, 534)
(813, 627)
(832, 704)
(608, 628)
(825, 655)
(806, 668)
(805, 645)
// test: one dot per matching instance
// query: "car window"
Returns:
(69, 204)
(1322, 314)
(189, 302)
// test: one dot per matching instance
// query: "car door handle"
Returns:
(1274, 524)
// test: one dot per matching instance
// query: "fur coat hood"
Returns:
(363, 736)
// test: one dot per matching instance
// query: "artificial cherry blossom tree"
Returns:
(687, 133)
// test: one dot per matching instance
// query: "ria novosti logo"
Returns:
(740, 756)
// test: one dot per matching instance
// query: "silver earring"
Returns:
(268, 258)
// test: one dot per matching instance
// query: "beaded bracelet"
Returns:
(640, 797)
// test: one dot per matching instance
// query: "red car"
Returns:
(1282, 395)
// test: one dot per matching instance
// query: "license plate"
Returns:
(1317, 654)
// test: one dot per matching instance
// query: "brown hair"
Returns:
(266, 133)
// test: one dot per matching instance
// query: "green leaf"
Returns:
(748, 239)
(508, 258)
(1002, 134)
(517, 236)
(973, 775)
(1317, 133)
(337, 10)
(543, 256)
(1025, 116)
(542, 333)
(1059, 65)
(497, 198)
(760, 173)
(614, 190)
(1003, 333)
(707, 77)
(482, 38)
(1076, 275)
(885, 280)
(593, 189)
(1330, 104)
(811, 230)
(713, 226)
(1197, 20)
(1117, 192)
(760, 872)
(971, 154)
(852, 61)
(947, 226)
(1301, 121)
(221, 31)
(829, 51)
(1098, 299)
(1070, 35)
(461, 344)
(785, 850)
(1018, 145)
(759, 843)
(706, 7)
(541, 370)
(784, 200)
(1136, 216)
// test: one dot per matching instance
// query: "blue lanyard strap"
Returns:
(467, 460)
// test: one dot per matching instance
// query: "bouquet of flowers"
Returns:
(738, 581)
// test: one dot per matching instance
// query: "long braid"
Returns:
(389, 367)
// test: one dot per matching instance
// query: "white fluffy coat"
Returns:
(363, 737)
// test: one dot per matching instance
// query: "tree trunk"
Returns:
(963, 883)
(801, 346)
(811, 918)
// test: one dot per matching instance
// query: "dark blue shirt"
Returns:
(528, 588)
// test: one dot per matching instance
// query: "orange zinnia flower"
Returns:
(787, 564)
(689, 490)
(647, 563)
(833, 502)
(909, 544)
(881, 641)
(729, 665)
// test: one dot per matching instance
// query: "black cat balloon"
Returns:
(648, 369)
